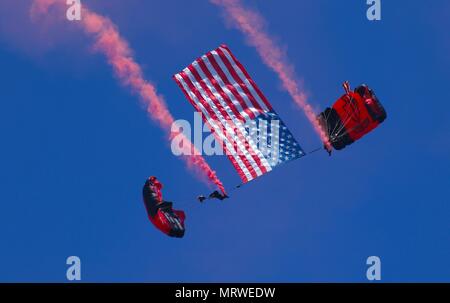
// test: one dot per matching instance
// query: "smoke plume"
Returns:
(107, 40)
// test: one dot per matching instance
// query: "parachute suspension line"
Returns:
(326, 123)
(330, 134)
(340, 136)
(337, 132)
(314, 150)
(349, 116)
(344, 124)
(337, 129)
(334, 135)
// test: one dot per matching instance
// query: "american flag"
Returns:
(238, 114)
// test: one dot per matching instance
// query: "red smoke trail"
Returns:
(119, 55)
(251, 24)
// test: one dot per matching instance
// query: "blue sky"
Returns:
(76, 148)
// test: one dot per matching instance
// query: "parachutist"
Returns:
(217, 195)
(214, 195)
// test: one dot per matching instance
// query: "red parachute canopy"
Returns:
(352, 116)
(160, 212)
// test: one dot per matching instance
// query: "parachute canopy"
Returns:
(238, 114)
(352, 116)
(160, 212)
